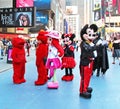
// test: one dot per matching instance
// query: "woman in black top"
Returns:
(116, 50)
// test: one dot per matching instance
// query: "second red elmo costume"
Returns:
(41, 55)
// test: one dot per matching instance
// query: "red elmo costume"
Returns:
(19, 60)
(41, 56)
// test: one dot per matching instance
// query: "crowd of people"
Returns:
(4, 44)
(52, 55)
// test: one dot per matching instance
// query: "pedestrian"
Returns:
(110, 45)
(88, 53)
(28, 46)
(116, 50)
(41, 56)
(55, 51)
(68, 61)
(1, 49)
(18, 60)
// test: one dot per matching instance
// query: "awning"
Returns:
(10, 36)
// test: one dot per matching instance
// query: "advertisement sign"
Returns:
(17, 17)
(71, 9)
(97, 15)
(42, 17)
(24, 3)
(41, 21)
(97, 10)
(42, 4)
(6, 3)
(113, 8)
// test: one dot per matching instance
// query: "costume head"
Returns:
(18, 42)
(68, 38)
(54, 38)
(88, 32)
(42, 36)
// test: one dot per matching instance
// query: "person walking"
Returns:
(28, 46)
(1, 49)
(116, 50)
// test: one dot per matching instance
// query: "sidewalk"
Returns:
(4, 65)
(105, 93)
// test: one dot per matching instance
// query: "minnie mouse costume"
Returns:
(68, 61)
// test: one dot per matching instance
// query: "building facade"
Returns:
(49, 14)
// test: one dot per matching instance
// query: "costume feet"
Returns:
(68, 77)
(23, 80)
(89, 90)
(40, 82)
(19, 81)
(113, 63)
(85, 95)
(98, 74)
(52, 85)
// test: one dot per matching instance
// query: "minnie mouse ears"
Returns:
(71, 36)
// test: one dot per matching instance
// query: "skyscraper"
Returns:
(78, 14)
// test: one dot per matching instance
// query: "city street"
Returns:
(105, 93)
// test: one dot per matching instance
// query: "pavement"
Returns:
(4, 65)
(105, 93)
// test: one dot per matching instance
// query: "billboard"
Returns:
(71, 9)
(42, 17)
(17, 17)
(24, 3)
(41, 21)
(97, 10)
(42, 4)
(112, 7)
(97, 15)
(6, 3)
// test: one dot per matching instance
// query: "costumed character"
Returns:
(19, 60)
(88, 53)
(55, 51)
(68, 61)
(101, 63)
(41, 56)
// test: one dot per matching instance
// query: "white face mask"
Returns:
(91, 34)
